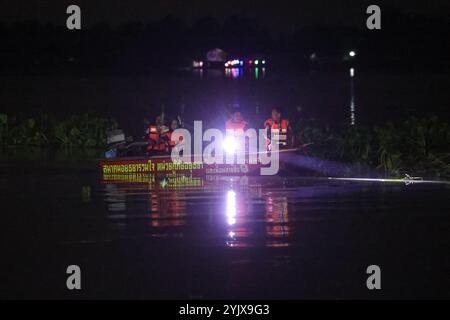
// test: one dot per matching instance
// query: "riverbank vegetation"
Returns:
(75, 132)
(414, 146)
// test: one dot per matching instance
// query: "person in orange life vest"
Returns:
(280, 127)
(236, 122)
(157, 134)
(174, 125)
(236, 126)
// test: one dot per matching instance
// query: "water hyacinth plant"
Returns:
(418, 146)
(75, 132)
(415, 145)
(3, 128)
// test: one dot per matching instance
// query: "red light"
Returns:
(250, 61)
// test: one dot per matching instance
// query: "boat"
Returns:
(121, 160)
(147, 168)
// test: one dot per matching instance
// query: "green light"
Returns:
(164, 183)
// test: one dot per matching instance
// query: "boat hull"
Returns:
(164, 165)
(144, 168)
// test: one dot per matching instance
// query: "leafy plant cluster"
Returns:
(74, 132)
(418, 146)
(415, 146)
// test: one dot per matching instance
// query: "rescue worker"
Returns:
(157, 134)
(280, 127)
(235, 128)
(174, 125)
(236, 121)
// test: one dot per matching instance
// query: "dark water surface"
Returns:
(184, 237)
(206, 95)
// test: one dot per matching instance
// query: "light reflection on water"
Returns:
(278, 218)
(231, 207)
(257, 73)
(352, 97)
(236, 212)
(172, 236)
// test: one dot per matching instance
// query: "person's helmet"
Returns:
(235, 107)
(277, 109)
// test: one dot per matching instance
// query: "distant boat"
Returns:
(215, 58)
(218, 59)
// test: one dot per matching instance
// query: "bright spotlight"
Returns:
(230, 144)
(352, 53)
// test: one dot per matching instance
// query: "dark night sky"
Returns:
(278, 15)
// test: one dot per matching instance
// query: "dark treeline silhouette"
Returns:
(405, 42)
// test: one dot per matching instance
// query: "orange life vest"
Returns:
(231, 125)
(172, 143)
(279, 129)
(157, 142)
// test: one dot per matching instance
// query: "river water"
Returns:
(333, 98)
(211, 237)
(189, 237)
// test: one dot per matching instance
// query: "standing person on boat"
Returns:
(276, 125)
(236, 121)
(157, 134)
(174, 125)
(235, 128)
